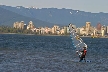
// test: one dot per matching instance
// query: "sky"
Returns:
(94, 6)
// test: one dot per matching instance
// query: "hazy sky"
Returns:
(83, 5)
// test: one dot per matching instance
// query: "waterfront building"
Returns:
(30, 25)
(18, 25)
(55, 28)
(99, 26)
(65, 29)
(107, 29)
(102, 31)
(25, 26)
(88, 24)
(38, 30)
(58, 32)
(21, 25)
(95, 32)
(34, 30)
(68, 30)
(52, 30)
(92, 30)
(62, 31)
(42, 30)
(47, 30)
(15, 25)
(82, 31)
(78, 30)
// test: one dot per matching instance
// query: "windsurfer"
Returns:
(84, 51)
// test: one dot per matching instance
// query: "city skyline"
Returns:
(87, 6)
(87, 30)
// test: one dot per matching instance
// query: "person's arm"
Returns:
(81, 51)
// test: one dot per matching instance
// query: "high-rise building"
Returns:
(99, 26)
(102, 31)
(30, 25)
(88, 24)
(107, 29)
(95, 32)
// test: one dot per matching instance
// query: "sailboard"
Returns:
(77, 42)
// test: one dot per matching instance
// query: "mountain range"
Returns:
(49, 16)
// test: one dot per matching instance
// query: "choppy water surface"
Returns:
(31, 53)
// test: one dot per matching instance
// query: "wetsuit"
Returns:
(83, 55)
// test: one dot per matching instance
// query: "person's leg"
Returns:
(84, 58)
(81, 58)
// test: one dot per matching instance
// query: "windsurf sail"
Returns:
(76, 40)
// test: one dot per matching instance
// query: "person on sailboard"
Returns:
(84, 51)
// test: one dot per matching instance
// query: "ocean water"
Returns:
(31, 53)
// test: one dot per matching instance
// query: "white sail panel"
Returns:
(76, 40)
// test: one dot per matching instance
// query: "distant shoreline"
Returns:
(50, 35)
